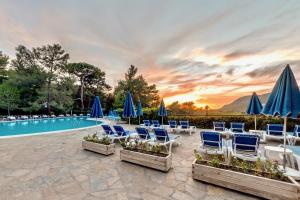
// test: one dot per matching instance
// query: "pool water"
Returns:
(26, 127)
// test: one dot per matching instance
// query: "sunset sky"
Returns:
(209, 52)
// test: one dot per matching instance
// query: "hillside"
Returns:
(240, 105)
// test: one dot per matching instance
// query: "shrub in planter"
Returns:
(260, 178)
(142, 153)
(102, 145)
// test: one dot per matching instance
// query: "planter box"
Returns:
(98, 148)
(147, 160)
(255, 185)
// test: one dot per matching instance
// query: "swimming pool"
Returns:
(26, 127)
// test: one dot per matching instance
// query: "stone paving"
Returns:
(54, 166)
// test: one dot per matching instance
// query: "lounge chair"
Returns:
(35, 117)
(274, 131)
(24, 117)
(172, 125)
(143, 133)
(212, 143)
(219, 126)
(184, 126)
(121, 131)
(146, 123)
(44, 116)
(163, 138)
(113, 135)
(155, 124)
(237, 127)
(297, 131)
(61, 115)
(245, 146)
(11, 118)
(68, 115)
(74, 115)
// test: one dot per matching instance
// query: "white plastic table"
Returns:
(278, 151)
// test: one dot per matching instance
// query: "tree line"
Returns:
(42, 80)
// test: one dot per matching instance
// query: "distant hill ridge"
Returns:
(241, 104)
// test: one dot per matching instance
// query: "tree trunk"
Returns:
(81, 96)
(8, 110)
(49, 96)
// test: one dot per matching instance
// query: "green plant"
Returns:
(94, 138)
(258, 166)
(215, 162)
(156, 148)
(197, 155)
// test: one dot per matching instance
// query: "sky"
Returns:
(209, 52)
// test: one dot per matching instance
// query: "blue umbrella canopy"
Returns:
(97, 109)
(162, 109)
(139, 111)
(128, 109)
(285, 97)
(255, 106)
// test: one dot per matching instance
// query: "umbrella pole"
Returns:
(255, 122)
(162, 120)
(284, 143)
(129, 120)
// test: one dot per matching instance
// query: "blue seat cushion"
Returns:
(242, 140)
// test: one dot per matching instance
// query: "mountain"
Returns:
(241, 104)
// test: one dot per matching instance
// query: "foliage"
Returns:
(197, 155)
(53, 60)
(3, 64)
(89, 77)
(139, 88)
(134, 144)
(94, 138)
(9, 97)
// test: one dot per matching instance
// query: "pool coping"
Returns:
(54, 132)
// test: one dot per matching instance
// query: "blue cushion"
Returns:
(237, 127)
(184, 124)
(161, 134)
(172, 124)
(120, 130)
(245, 139)
(211, 138)
(275, 129)
(107, 129)
(147, 122)
(143, 133)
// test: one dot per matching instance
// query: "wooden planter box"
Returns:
(255, 185)
(147, 160)
(98, 148)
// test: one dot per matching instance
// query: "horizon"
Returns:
(205, 52)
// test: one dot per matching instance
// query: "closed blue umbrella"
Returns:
(162, 111)
(254, 107)
(284, 100)
(97, 109)
(128, 109)
(139, 111)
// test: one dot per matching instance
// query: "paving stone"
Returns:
(54, 166)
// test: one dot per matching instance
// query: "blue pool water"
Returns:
(43, 125)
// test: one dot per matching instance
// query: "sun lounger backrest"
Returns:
(245, 142)
(297, 131)
(184, 124)
(275, 129)
(155, 123)
(120, 130)
(143, 133)
(172, 124)
(147, 122)
(237, 127)
(212, 139)
(219, 126)
(161, 135)
(107, 129)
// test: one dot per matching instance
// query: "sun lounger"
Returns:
(184, 126)
(219, 126)
(245, 146)
(143, 134)
(163, 138)
(212, 143)
(155, 124)
(146, 123)
(172, 125)
(112, 134)
(121, 131)
(274, 131)
(237, 127)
